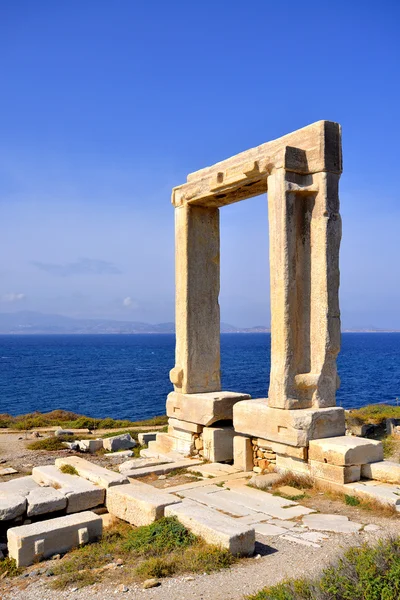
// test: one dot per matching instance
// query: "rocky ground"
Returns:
(278, 555)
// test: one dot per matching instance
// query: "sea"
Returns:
(126, 376)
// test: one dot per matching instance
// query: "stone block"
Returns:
(139, 463)
(29, 543)
(93, 473)
(80, 494)
(284, 449)
(138, 503)
(289, 427)
(287, 463)
(214, 527)
(335, 473)
(162, 469)
(203, 409)
(218, 443)
(146, 437)
(185, 436)
(90, 446)
(185, 425)
(346, 450)
(166, 443)
(384, 470)
(63, 432)
(242, 453)
(21, 486)
(43, 500)
(124, 441)
(334, 523)
(11, 506)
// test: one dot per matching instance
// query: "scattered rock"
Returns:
(119, 442)
(56, 557)
(119, 562)
(61, 432)
(8, 471)
(372, 527)
(150, 583)
(122, 588)
(162, 477)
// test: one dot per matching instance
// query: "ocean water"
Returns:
(126, 376)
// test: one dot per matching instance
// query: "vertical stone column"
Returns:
(197, 264)
(305, 232)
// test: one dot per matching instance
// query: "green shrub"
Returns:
(374, 413)
(51, 443)
(68, 470)
(8, 568)
(352, 500)
(160, 537)
(364, 573)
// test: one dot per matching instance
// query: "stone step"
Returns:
(80, 494)
(214, 469)
(21, 485)
(214, 527)
(384, 471)
(345, 450)
(139, 463)
(138, 503)
(93, 473)
(45, 500)
(29, 543)
(162, 469)
(385, 493)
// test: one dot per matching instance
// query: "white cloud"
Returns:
(128, 302)
(13, 297)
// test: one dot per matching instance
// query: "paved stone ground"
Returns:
(292, 540)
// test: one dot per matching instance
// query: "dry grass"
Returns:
(161, 549)
(70, 420)
(296, 480)
(51, 443)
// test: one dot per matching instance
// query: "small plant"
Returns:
(367, 573)
(51, 443)
(296, 480)
(68, 470)
(175, 472)
(8, 568)
(352, 500)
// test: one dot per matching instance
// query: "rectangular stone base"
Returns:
(346, 450)
(384, 470)
(138, 503)
(29, 543)
(287, 463)
(218, 443)
(203, 409)
(289, 427)
(243, 453)
(335, 473)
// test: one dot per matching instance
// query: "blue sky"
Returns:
(105, 106)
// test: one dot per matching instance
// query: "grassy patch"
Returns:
(67, 419)
(161, 549)
(176, 472)
(367, 573)
(51, 443)
(390, 445)
(351, 500)
(375, 413)
(68, 470)
(8, 568)
(300, 482)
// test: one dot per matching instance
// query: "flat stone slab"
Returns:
(8, 471)
(386, 493)
(334, 523)
(268, 529)
(139, 463)
(203, 409)
(209, 496)
(214, 469)
(346, 450)
(119, 455)
(93, 473)
(214, 527)
(264, 481)
(298, 540)
(384, 470)
(288, 427)
(138, 503)
(21, 486)
(43, 500)
(11, 506)
(162, 469)
(29, 543)
(291, 492)
(80, 494)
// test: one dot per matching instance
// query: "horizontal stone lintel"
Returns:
(313, 149)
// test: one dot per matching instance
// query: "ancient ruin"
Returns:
(300, 172)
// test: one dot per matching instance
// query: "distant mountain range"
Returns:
(39, 323)
(35, 322)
